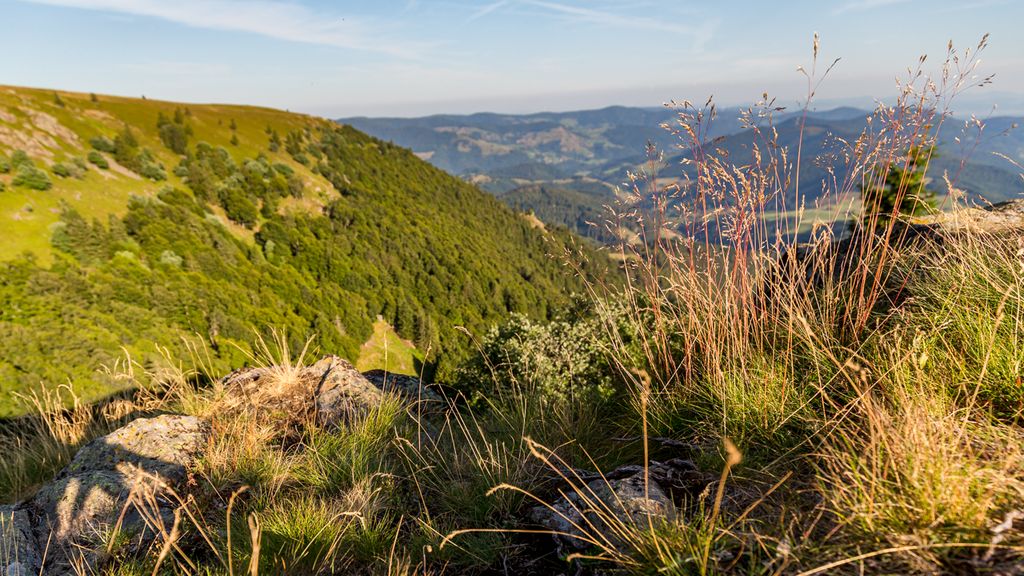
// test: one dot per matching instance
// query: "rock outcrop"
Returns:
(426, 397)
(619, 497)
(995, 219)
(329, 391)
(19, 553)
(71, 516)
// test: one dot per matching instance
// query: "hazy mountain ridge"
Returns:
(560, 151)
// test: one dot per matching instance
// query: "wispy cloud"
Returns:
(863, 5)
(271, 18)
(700, 34)
(484, 11)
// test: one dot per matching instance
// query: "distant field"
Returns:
(386, 350)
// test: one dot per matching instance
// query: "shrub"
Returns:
(174, 137)
(152, 171)
(76, 168)
(562, 360)
(169, 258)
(29, 176)
(238, 207)
(5, 165)
(98, 159)
(103, 144)
(20, 158)
(60, 170)
(295, 186)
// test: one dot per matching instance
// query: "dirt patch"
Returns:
(51, 126)
(115, 167)
(534, 221)
(8, 117)
(35, 144)
(100, 115)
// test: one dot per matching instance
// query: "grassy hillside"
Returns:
(56, 127)
(211, 221)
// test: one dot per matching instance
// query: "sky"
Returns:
(416, 57)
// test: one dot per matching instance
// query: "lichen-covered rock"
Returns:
(584, 514)
(77, 511)
(328, 391)
(163, 445)
(619, 496)
(417, 392)
(342, 391)
(997, 218)
(19, 552)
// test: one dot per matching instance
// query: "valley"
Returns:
(567, 167)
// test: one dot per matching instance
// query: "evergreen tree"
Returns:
(902, 191)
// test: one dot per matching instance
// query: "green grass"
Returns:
(386, 350)
(106, 192)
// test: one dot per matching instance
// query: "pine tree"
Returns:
(902, 191)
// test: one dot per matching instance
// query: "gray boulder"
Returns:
(342, 391)
(329, 391)
(90, 497)
(423, 396)
(618, 497)
(19, 553)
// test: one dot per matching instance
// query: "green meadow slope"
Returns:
(132, 225)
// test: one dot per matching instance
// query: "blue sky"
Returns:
(414, 57)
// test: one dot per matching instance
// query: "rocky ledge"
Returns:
(65, 527)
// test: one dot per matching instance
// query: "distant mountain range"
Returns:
(567, 165)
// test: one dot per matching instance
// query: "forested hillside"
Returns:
(139, 223)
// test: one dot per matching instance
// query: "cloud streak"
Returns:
(701, 34)
(864, 5)
(488, 9)
(270, 18)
